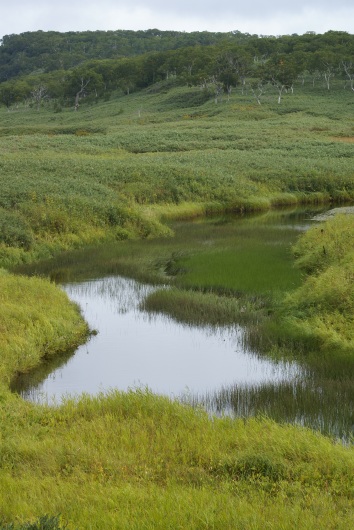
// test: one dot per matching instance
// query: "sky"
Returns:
(261, 17)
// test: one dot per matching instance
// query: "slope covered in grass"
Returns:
(321, 311)
(37, 319)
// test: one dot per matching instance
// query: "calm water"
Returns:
(136, 349)
(212, 366)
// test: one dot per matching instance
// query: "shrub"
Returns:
(14, 230)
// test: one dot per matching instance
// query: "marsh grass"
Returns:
(133, 460)
(45, 522)
(322, 404)
(321, 310)
(81, 167)
(37, 320)
(200, 308)
(260, 269)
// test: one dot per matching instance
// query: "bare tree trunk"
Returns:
(81, 92)
(348, 69)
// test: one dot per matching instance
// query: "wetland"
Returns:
(224, 367)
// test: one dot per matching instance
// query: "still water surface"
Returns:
(136, 349)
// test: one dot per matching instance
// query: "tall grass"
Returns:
(90, 176)
(37, 319)
(197, 308)
(321, 403)
(321, 310)
(136, 460)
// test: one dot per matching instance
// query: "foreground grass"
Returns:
(135, 460)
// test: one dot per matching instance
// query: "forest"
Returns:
(68, 68)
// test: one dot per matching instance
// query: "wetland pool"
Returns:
(212, 366)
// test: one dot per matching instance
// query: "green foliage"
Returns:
(327, 244)
(14, 230)
(71, 178)
(132, 459)
(253, 466)
(321, 310)
(43, 523)
(37, 319)
(82, 166)
(259, 269)
(85, 66)
(204, 308)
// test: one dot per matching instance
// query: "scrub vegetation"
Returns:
(120, 170)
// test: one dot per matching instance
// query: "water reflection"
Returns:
(135, 348)
(323, 405)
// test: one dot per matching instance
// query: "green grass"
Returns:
(90, 176)
(37, 320)
(320, 401)
(256, 270)
(321, 310)
(135, 460)
(198, 308)
(111, 172)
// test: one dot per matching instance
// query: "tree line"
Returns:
(216, 62)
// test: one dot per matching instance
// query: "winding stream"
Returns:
(209, 365)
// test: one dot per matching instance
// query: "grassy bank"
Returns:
(320, 313)
(37, 320)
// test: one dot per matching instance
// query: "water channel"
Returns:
(209, 365)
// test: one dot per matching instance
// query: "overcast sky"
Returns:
(262, 17)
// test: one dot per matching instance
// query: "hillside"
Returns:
(70, 68)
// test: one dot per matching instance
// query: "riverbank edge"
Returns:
(38, 321)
